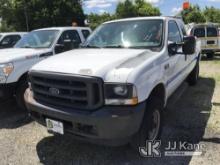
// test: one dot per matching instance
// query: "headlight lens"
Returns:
(6, 69)
(120, 94)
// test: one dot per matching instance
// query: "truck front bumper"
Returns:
(7, 90)
(108, 125)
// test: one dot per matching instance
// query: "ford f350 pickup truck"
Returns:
(32, 48)
(113, 90)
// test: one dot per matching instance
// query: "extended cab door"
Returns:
(68, 40)
(174, 67)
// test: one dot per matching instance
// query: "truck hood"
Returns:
(14, 54)
(104, 63)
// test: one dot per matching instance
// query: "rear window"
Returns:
(212, 32)
(199, 32)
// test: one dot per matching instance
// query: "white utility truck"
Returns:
(32, 48)
(114, 89)
(8, 40)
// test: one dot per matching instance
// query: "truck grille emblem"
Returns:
(54, 91)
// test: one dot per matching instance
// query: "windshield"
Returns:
(0, 37)
(127, 34)
(38, 39)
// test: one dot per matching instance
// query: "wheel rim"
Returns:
(153, 133)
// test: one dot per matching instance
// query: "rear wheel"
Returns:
(151, 126)
(22, 86)
(210, 55)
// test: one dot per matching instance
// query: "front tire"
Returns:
(194, 75)
(22, 86)
(151, 126)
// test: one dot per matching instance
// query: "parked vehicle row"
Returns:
(209, 36)
(114, 88)
(8, 40)
(32, 48)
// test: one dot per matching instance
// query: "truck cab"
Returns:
(31, 49)
(8, 40)
(113, 90)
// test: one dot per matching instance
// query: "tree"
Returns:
(125, 9)
(212, 14)
(136, 9)
(96, 19)
(193, 14)
(38, 13)
(146, 9)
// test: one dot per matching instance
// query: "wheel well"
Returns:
(158, 92)
(22, 78)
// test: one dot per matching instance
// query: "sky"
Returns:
(167, 7)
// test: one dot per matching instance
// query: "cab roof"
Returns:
(145, 18)
(13, 33)
(63, 28)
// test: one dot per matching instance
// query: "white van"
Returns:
(208, 34)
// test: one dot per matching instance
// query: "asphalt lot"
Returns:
(192, 115)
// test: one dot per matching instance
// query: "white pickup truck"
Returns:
(32, 48)
(8, 40)
(113, 90)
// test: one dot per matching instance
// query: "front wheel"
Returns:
(194, 75)
(151, 126)
(22, 86)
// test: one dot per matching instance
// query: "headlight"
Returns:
(120, 94)
(6, 69)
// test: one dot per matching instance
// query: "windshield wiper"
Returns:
(115, 46)
(26, 47)
(89, 46)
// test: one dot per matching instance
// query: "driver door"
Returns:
(175, 64)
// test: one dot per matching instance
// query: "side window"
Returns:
(9, 41)
(212, 32)
(86, 33)
(199, 32)
(70, 36)
(183, 29)
(68, 40)
(173, 32)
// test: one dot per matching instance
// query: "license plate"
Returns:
(55, 126)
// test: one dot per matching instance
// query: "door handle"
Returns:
(167, 66)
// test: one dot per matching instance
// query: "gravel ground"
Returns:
(192, 115)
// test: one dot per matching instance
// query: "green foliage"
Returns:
(96, 19)
(134, 9)
(125, 9)
(5, 28)
(146, 9)
(212, 14)
(41, 13)
(193, 14)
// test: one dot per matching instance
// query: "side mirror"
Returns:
(172, 49)
(59, 48)
(189, 45)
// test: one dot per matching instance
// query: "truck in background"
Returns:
(32, 48)
(8, 40)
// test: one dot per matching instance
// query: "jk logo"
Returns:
(152, 149)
